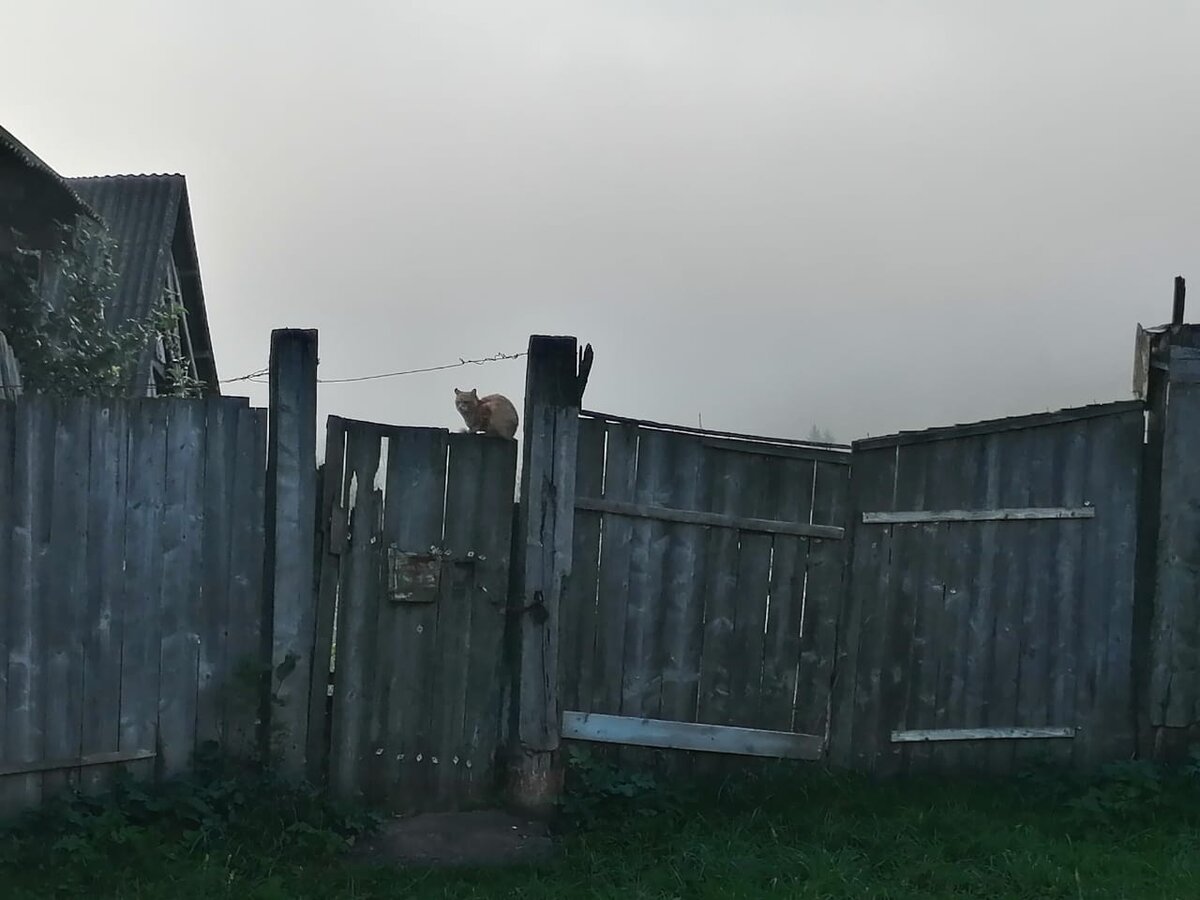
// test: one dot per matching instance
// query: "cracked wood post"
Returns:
(546, 516)
(289, 599)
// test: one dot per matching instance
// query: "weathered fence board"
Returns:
(718, 574)
(10, 372)
(984, 621)
(421, 594)
(118, 600)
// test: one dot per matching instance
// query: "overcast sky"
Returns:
(868, 216)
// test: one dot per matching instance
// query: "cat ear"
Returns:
(474, 393)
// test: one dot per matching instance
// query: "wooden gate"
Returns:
(703, 601)
(414, 565)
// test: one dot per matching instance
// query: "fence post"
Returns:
(545, 528)
(289, 600)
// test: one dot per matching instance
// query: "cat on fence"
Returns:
(493, 414)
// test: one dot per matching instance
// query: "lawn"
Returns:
(794, 833)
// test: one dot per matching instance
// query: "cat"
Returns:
(493, 414)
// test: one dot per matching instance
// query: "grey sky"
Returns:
(869, 216)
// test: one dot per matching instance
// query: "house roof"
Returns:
(50, 179)
(149, 218)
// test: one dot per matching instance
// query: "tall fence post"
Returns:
(545, 525)
(289, 600)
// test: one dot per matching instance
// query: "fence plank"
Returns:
(579, 617)
(182, 534)
(824, 596)
(105, 571)
(727, 474)
(356, 617)
(330, 535)
(412, 520)
(682, 599)
(492, 542)
(291, 523)
(613, 592)
(7, 524)
(65, 572)
(641, 687)
(690, 736)
(245, 659)
(141, 636)
(220, 448)
(751, 524)
(34, 443)
(782, 658)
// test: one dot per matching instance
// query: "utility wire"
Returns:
(257, 376)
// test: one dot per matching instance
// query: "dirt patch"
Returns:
(480, 838)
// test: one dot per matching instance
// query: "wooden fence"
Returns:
(131, 564)
(972, 597)
(992, 594)
(705, 584)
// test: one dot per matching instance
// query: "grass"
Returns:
(792, 833)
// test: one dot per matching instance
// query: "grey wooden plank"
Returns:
(753, 588)
(985, 589)
(962, 542)
(330, 543)
(872, 486)
(690, 736)
(982, 734)
(141, 592)
(727, 475)
(945, 463)
(357, 614)
(786, 607)
(183, 560)
(578, 615)
(412, 520)
(641, 686)
(900, 637)
(1066, 553)
(681, 604)
(64, 601)
(1044, 476)
(1011, 585)
(999, 426)
(837, 457)
(105, 572)
(220, 448)
(1114, 736)
(456, 608)
(7, 579)
(824, 596)
(751, 524)
(737, 437)
(291, 523)
(33, 441)
(246, 661)
(479, 764)
(612, 594)
(76, 762)
(978, 515)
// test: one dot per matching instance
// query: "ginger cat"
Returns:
(493, 414)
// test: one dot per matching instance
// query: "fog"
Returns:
(772, 215)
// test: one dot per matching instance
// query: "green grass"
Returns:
(795, 833)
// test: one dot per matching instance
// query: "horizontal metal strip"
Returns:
(980, 734)
(978, 515)
(79, 762)
(695, 517)
(638, 732)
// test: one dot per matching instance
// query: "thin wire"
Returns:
(257, 376)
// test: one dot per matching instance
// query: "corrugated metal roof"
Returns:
(149, 219)
(141, 212)
(9, 142)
